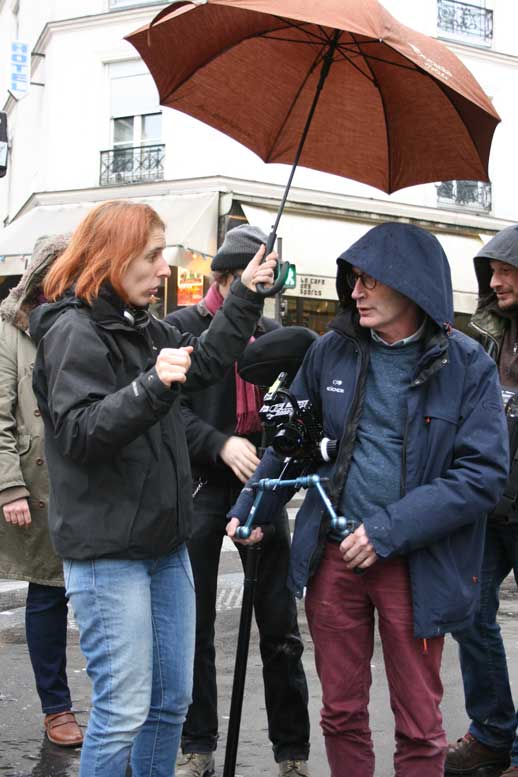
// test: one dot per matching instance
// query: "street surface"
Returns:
(25, 752)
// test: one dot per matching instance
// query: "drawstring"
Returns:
(425, 647)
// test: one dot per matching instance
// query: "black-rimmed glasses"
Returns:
(367, 281)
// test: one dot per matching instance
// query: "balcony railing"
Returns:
(132, 165)
(464, 21)
(474, 195)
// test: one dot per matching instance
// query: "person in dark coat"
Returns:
(423, 458)
(223, 433)
(25, 549)
(108, 377)
(491, 741)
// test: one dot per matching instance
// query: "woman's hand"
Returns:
(172, 364)
(255, 536)
(18, 513)
(258, 271)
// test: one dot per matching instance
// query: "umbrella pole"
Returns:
(284, 268)
(243, 641)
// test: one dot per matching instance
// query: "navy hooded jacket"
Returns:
(455, 453)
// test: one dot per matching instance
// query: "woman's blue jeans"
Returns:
(489, 702)
(136, 622)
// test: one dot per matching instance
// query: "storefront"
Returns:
(314, 240)
(191, 220)
(315, 228)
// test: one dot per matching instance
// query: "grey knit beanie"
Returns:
(240, 245)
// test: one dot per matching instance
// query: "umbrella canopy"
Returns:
(388, 106)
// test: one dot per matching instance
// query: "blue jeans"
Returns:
(489, 702)
(136, 622)
(46, 629)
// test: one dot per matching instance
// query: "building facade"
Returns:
(85, 125)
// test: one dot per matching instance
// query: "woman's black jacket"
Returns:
(115, 440)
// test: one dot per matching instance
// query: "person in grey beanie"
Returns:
(223, 432)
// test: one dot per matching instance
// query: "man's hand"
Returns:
(255, 536)
(240, 455)
(255, 272)
(18, 512)
(357, 551)
(172, 364)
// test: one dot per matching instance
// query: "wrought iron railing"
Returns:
(475, 195)
(132, 165)
(465, 21)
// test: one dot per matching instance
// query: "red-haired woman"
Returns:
(108, 378)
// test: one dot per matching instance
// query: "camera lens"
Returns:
(288, 440)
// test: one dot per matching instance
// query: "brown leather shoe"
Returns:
(468, 754)
(62, 729)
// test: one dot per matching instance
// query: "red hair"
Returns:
(101, 249)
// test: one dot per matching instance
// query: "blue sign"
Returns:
(19, 69)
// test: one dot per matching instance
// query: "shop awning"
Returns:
(313, 243)
(191, 222)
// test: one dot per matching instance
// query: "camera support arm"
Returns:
(340, 525)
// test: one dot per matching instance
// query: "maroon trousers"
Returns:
(340, 610)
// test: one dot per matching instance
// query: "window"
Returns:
(143, 130)
(136, 153)
(471, 195)
(465, 21)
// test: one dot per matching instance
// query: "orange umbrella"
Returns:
(339, 86)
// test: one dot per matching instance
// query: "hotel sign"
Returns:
(20, 63)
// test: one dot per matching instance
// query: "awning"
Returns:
(191, 222)
(313, 243)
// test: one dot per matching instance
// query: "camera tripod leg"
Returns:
(243, 641)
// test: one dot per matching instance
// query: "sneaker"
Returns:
(291, 768)
(195, 765)
(468, 754)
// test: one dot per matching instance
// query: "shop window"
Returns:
(313, 314)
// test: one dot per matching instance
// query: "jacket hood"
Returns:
(504, 247)
(45, 315)
(406, 258)
(21, 300)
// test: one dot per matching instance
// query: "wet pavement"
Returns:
(24, 751)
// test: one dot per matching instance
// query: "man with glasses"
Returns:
(223, 433)
(416, 407)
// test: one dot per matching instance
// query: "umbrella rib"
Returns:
(311, 69)
(302, 27)
(355, 66)
(291, 40)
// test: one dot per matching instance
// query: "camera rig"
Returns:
(294, 430)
